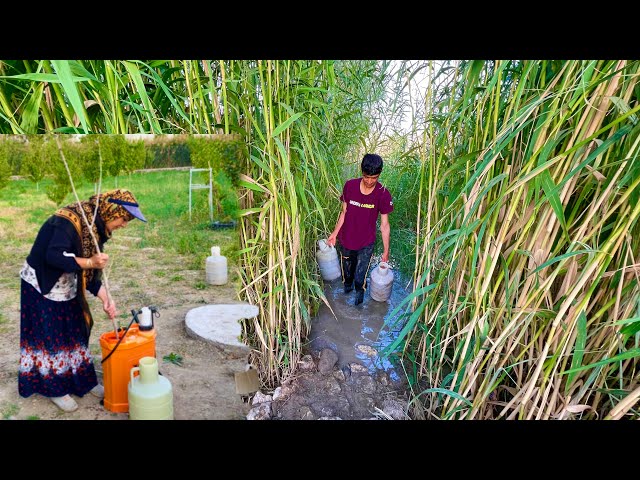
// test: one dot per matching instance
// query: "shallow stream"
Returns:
(358, 333)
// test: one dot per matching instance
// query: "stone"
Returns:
(364, 401)
(285, 390)
(261, 412)
(260, 397)
(332, 386)
(322, 410)
(219, 324)
(382, 378)
(328, 359)
(306, 363)
(366, 384)
(306, 413)
(339, 375)
(357, 368)
(395, 409)
(367, 350)
(277, 393)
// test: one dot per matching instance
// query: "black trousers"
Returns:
(355, 266)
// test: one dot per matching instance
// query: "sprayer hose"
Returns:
(121, 338)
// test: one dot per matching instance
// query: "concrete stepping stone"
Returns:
(220, 324)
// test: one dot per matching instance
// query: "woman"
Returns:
(55, 321)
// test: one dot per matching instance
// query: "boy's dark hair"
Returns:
(371, 164)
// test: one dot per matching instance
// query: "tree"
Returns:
(134, 156)
(35, 161)
(90, 159)
(61, 185)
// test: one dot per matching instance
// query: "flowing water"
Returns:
(358, 333)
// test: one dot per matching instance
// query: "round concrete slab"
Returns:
(220, 325)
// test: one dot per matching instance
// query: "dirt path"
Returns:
(203, 387)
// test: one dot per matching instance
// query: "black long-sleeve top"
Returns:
(58, 235)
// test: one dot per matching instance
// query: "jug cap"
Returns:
(215, 251)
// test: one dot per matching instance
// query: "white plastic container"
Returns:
(381, 282)
(327, 257)
(216, 268)
(150, 394)
(145, 321)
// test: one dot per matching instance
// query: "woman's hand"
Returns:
(99, 260)
(110, 309)
(331, 241)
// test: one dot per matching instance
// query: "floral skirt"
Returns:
(54, 348)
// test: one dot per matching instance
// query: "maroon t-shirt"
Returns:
(359, 227)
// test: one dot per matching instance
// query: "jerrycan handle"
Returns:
(324, 246)
(383, 267)
(134, 369)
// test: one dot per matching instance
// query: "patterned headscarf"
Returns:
(110, 211)
(106, 210)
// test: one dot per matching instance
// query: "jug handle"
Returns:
(134, 369)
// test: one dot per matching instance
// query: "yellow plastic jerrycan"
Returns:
(150, 394)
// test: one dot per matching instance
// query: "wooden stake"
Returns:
(86, 221)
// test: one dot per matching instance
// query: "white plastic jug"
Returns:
(327, 257)
(381, 282)
(150, 394)
(216, 268)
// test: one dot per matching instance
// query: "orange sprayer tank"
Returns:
(116, 369)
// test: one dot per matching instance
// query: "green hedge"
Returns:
(37, 156)
(223, 155)
(167, 154)
(5, 168)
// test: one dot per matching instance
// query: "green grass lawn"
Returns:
(163, 198)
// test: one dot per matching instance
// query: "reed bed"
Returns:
(526, 299)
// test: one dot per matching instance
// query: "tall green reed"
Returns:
(525, 264)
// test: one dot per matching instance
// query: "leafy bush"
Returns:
(61, 186)
(166, 154)
(221, 154)
(5, 169)
(114, 150)
(90, 158)
(134, 155)
(117, 155)
(35, 158)
(224, 156)
(13, 149)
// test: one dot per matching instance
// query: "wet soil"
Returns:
(343, 375)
